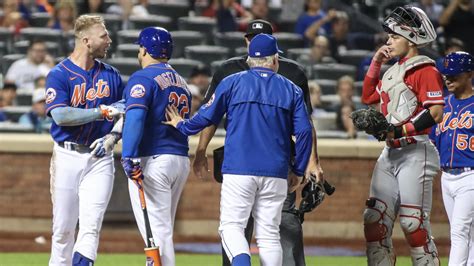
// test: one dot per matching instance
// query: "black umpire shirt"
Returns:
(287, 68)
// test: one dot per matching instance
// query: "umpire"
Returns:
(291, 235)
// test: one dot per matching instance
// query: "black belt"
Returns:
(80, 148)
(457, 170)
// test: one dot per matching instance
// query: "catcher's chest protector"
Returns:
(402, 101)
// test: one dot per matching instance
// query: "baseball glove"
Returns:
(372, 122)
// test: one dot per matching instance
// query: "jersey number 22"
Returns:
(179, 101)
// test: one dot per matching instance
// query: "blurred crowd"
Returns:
(333, 40)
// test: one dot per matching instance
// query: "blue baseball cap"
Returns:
(263, 45)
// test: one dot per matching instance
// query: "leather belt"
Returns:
(80, 148)
(457, 170)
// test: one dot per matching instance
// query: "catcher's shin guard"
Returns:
(378, 225)
(415, 225)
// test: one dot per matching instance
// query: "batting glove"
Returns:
(132, 168)
(109, 111)
(102, 146)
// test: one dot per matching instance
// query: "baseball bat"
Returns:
(152, 252)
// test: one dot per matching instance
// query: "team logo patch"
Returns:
(137, 91)
(211, 100)
(257, 26)
(434, 94)
(50, 95)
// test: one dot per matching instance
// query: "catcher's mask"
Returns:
(412, 23)
(312, 195)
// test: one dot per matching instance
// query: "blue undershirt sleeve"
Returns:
(194, 125)
(133, 132)
(71, 116)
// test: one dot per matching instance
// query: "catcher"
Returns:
(411, 101)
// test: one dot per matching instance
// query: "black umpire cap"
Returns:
(258, 26)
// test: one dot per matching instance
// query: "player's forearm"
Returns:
(71, 116)
(205, 138)
(303, 147)
(369, 93)
(194, 125)
(314, 147)
(133, 132)
(118, 127)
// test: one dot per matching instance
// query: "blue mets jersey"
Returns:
(454, 136)
(263, 110)
(153, 89)
(69, 85)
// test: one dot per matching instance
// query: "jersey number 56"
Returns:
(179, 101)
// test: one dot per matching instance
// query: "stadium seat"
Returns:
(13, 113)
(44, 34)
(23, 99)
(129, 50)
(328, 86)
(12, 127)
(3, 48)
(241, 51)
(7, 61)
(127, 36)
(39, 19)
(170, 9)
(288, 40)
(294, 53)
(126, 66)
(140, 23)
(205, 25)
(231, 40)
(184, 66)
(183, 38)
(206, 53)
(326, 121)
(274, 14)
(6, 36)
(332, 71)
(21, 47)
(354, 57)
(112, 22)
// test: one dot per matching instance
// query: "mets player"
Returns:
(410, 96)
(79, 92)
(291, 231)
(263, 110)
(454, 138)
(162, 150)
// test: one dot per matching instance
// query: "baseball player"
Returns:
(290, 228)
(410, 97)
(152, 150)
(263, 110)
(79, 94)
(454, 138)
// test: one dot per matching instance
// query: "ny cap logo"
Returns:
(257, 26)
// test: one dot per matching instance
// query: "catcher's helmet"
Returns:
(457, 63)
(156, 41)
(412, 23)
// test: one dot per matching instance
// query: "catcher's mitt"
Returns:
(372, 122)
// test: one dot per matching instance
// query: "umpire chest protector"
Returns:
(402, 101)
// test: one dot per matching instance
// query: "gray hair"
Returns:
(266, 61)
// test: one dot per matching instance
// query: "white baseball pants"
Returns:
(81, 187)
(264, 197)
(458, 197)
(165, 177)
